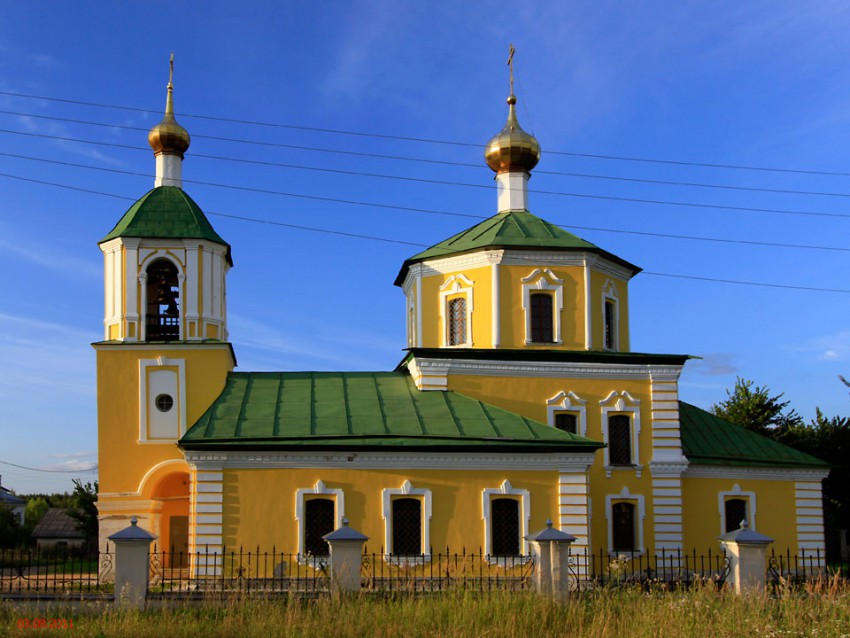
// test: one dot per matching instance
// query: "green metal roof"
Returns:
(710, 440)
(510, 229)
(544, 355)
(363, 411)
(166, 212)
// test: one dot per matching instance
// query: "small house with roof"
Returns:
(57, 529)
(519, 399)
(10, 501)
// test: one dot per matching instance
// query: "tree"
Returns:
(10, 527)
(84, 510)
(752, 407)
(34, 511)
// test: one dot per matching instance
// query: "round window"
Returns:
(164, 402)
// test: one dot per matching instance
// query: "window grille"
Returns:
(619, 439)
(457, 321)
(504, 529)
(623, 527)
(407, 526)
(318, 521)
(610, 325)
(567, 421)
(541, 318)
(736, 511)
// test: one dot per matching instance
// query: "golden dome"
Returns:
(512, 150)
(168, 136)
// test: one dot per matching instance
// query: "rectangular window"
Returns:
(623, 527)
(457, 321)
(318, 521)
(736, 512)
(504, 527)
(610, 325)
(541, 318)
(567, 421)
(619, 439)
(407, 526)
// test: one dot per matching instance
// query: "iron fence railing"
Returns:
(55, 570)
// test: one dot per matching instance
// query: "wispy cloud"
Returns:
(834, 347)
(74, 455)
(715, 364)
(54, 260)
(47, 127)
(78, 466)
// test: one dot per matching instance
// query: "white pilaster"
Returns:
(810, 539)
(494, 269)
(574, 515)
(513, 191)
(205, 537)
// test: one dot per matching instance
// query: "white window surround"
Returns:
(406, 489)
(737, 492)
(321, 490)
(545, 280)
(456, 285)
(505, 489)
(609, 293)
(639, 501)
(567, 402)
(179, 400)
(622, 403)
(151, 257)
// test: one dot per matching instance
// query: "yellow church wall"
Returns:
(259, 504)
(598, 282)
(775, 515)
(123, 460)
(602, 487)
(433, 312)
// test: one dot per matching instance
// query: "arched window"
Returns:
(318, 521)
(407, 526)
(623, 527)
(457, 321)
(163, 313)
(542, 323)
(504, 527)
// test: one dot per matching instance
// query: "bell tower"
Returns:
(164, 357)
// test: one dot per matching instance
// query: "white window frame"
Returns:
(300, 515)
(624, 403)
(179, 399)
(640, 503)
(737, 492)
(609, 293)
(143, 287)
(406, 489)
(505, 489)
(567, 402)
(458, 284)
(543, 279)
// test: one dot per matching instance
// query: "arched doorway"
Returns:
(172, 494)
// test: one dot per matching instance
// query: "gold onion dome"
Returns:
(168, 136)
(512, 150)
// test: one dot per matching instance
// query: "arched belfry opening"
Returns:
(163, 311)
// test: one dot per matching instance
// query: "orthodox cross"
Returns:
(511, 51)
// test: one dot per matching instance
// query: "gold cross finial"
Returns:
(511, 51)
(171, 70)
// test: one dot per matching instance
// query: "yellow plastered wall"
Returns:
(259, 504)
(774, 516)
(122, 459)
(434, 314)
(598, 281)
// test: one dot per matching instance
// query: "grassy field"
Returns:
(818, 611)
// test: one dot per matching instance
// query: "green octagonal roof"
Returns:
(166, 212)
(510, 229)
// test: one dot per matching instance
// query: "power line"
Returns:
(406, 243)
(38, 469)
(437, 212)
(479, 165)
(620, 158)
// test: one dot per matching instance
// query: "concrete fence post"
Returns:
(132, 565)
(346, 545)
(550, 549)
(746, 550)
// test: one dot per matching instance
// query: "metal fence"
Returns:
(54, 571)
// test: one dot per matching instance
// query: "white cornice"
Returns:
(160, 345)
(545, 369)
(755, 473)
(576, 462)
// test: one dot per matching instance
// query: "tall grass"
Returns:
(821, 610)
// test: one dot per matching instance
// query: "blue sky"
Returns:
(757, 84)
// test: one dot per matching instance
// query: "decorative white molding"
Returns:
(338, 496)
(638, 500)
(737, 492)
(178, 391)
(505, 489)
(668, 469)
(564, 462)
(577, 258)
(406, 489)
(567, 402)
(609, 293)
(588, 311)
(755, 473)
(545, 280)
(622, 403)
(457, 285)
(179, 463)
(558, 369)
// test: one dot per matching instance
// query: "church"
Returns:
(518, 400)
